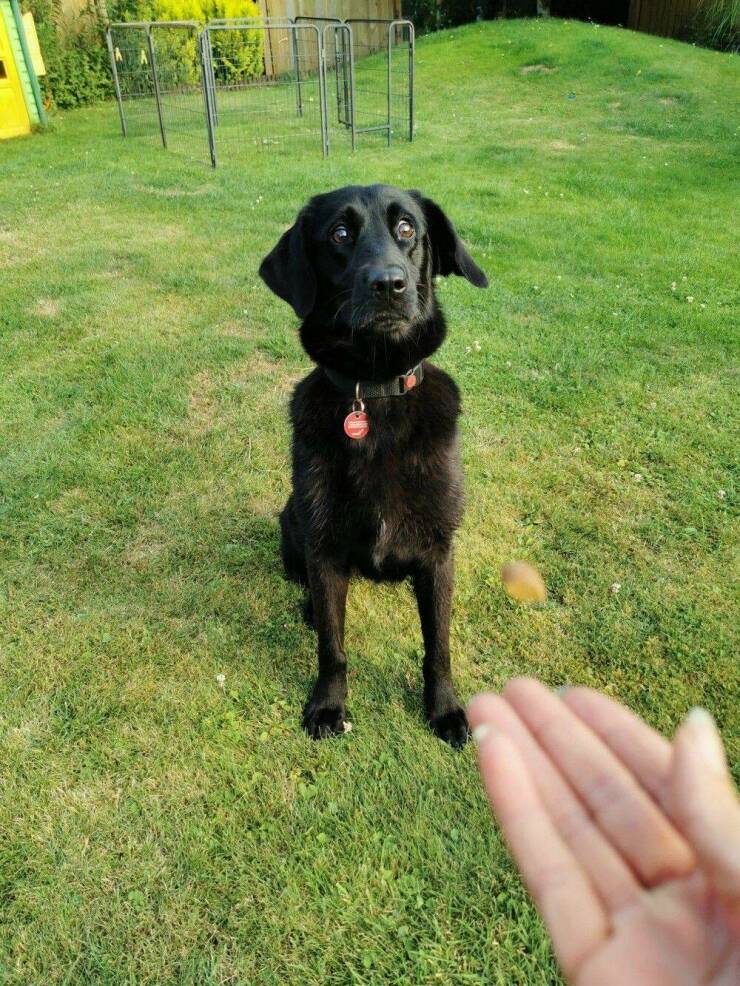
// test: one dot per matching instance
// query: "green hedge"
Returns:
(77, 65)
(77, 61)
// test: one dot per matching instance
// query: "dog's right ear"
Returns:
(287, 269)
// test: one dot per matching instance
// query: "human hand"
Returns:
(629, 845)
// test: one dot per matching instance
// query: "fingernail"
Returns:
(706, 738)
(480, 733)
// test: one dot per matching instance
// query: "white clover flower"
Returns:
(690, 298)
(221, 678)
(637, 476)
(615, 587)
(721, 494)
(673, 285)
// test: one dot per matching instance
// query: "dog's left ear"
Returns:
(287, 269)
(449, 255)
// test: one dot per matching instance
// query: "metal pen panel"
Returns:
(268, 86)
(257, 84)
(132, 71)
(401, 53)
(337, 49)
(180, 77)
(116, 83)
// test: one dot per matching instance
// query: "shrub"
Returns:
(237, 55)
(76, 58)
(716, 24)
(434, 15)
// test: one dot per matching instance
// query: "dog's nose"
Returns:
(386, 281)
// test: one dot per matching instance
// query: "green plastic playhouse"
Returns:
(21, 105)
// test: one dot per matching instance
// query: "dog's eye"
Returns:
(405, 230)
(340, 234)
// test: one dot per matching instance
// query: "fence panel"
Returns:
(383, 55)
(179, 75)
(246, 85)
(339, 83)
(401, 57)
(370, 57)
(133, 75)
(272, 95)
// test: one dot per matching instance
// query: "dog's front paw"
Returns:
(321, 721)
(451, 726)
(324, 713)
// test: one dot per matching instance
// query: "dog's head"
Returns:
(358, 267)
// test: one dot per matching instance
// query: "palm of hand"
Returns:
(676, 933)
(629, 845)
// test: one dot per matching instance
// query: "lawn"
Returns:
(162, 817)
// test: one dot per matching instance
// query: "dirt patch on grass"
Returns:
(47, 308)
(562, 145)
(668, 100)
(233, 328)
(173, 193)
(258, 365)
(201, 406)
(145, 548)
(538, 69)
(142, 553)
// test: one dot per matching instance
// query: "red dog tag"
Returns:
(410, 381)
(356, 424)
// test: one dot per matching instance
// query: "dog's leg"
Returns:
(293, 560)
(324, 712)
(433, 586)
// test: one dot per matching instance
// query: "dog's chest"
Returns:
(401, 504)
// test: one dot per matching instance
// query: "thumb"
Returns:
(705, 806)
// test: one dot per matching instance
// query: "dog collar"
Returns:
(364, 389)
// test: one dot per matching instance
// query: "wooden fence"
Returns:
(668, 18)
(367, 38)
(385, 10)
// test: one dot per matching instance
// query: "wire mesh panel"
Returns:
(336, 42)
(339, 82)
(401, 79)
(129, 46)
(248, 84)
(265, 86)
(179, 75)
(370, 57)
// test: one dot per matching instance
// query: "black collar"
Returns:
(364, 389)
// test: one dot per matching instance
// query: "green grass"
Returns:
(156, 827)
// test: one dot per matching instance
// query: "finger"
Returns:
(643, 752)
(706, 806)
(560, 888)
(609, 875)
(623, 811)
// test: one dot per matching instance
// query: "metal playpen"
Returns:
(293, 83)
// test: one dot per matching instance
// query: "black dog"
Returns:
(377, 482)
